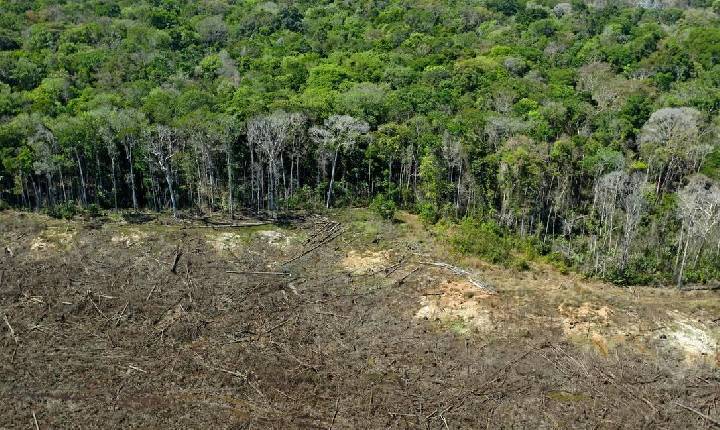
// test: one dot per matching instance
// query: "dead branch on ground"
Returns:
(12, 332)
(176, 259)
(332, 235)
(695, 411)
(462, 272)
(246, 272)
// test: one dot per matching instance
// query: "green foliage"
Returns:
(384, 206)
(507, 7)
(66, 210)
(428, 213)
(92, 211)
(711, 167)
(306, 198)
(532, 117)
(485, 239)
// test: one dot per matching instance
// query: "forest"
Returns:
(585, 133)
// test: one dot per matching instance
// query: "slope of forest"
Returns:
(584, 133)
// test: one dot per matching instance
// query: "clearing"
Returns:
(335, 322)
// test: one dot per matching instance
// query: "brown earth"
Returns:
(98, 331)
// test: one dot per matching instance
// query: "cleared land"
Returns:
(340, 322)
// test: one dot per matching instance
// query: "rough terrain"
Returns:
(339, 322)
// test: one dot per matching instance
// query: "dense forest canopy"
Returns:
(587, 132)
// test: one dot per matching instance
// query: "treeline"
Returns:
(586, 133)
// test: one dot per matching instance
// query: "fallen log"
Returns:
(327, 239)
(244, 272)
(176, 259)
(236, 225)
(462, 272)
(710, 419)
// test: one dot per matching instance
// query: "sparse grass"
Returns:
(459, 327)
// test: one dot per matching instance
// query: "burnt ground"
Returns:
(99, 331)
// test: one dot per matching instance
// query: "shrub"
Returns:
(485, 239)
(93, 211)
(66, 210)
(428, 213)
(306, 198)
(384, 206)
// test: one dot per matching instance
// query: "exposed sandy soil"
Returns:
(362, 263)
(341, 325)
(459, 303)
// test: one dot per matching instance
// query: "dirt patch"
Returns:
(584, 319)
(361, 263)
(695, 340)
(459, 303)
(227, 242)
(129, 238)
(52, 239)
(274, 238)
(589, 324)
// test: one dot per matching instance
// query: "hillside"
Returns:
(346, 321)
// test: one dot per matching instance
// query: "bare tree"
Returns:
(632, 201)
(105, 118)
(672, 142)
(619, 203)
(212, 29)
(163, 147)
(228, 68)
(227, 131)
(699, 212)
(607, 89)
(499, 128)
(204, 145)
(340, 133)
(297, 146)
(127, 124)
(268, 135)
(43, 144)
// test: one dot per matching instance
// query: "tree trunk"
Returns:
(97, 176)
(682, 264)
(62, 184)
(25, 196)
(82, 178)
(128, 149)
(36, 192)
(282, 169)
(332, 179)
(172, 193)
(50, 193)
(114, 182)
(369, 180)
(292, 178)
(252, 175)
(230, 183)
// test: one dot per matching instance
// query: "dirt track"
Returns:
(362, 334)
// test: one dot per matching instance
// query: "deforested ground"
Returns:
(339, 321)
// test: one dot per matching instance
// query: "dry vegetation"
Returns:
(331, 323)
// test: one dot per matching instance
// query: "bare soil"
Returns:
(334, 322)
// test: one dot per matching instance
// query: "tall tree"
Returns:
(339, 134)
